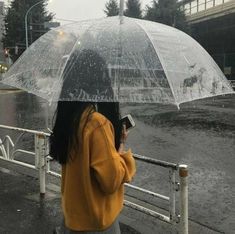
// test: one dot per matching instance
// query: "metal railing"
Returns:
(42, 164)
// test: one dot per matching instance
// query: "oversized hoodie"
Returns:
(92, 181)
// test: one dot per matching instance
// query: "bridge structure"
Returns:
(212, 24)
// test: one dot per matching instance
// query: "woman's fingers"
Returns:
(124, 133)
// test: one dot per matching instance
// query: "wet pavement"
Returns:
(201, 135)
(22, 210)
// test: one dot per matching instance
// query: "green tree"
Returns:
(133, 9)
(14, 23)
(167, 12)
(112, 8)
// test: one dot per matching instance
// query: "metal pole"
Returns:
(42, 165)
(26, 23)
(172, 194)
(121, 11)
(40, 161)
(183, 173)
(121, 8)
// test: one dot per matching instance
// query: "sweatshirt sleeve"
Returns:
(110, 168)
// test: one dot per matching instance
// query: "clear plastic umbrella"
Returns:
(132, 61)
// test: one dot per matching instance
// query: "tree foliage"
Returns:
(167, 12)
(14, 23)
(133, 9)
(111, 8)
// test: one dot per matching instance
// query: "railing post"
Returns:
(40, 161)
(183, 173)
(172, 195)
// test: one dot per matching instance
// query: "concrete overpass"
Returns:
(203, 10)
(213, 26)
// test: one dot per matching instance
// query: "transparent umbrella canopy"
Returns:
(105, 60)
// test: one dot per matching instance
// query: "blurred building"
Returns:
(213, 26)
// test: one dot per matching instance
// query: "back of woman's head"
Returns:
(65, 129)
(85, 80)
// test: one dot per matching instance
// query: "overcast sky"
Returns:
(81, 9)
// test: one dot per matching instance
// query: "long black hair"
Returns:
(86, 71)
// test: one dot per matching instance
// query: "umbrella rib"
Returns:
(160, 58)
(59, 80)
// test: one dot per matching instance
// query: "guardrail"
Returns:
(42, 164)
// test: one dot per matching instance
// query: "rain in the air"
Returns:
(117, 116)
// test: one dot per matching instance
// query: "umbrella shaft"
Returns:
(121, 8)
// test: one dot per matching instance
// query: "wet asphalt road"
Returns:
(201, 134)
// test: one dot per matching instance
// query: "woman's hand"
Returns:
(124, 134)
(123, 139)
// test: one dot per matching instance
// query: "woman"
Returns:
(89, 142)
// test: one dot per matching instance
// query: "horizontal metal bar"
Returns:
(128, 185)
(54, 174)
(147, 211)
(23, 151)
(148, 192)
(25, 130)
(18, 163)
(156, 162)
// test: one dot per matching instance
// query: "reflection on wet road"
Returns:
(201, 134)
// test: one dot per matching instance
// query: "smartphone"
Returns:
(128, 120)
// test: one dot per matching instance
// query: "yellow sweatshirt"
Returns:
(92, 182)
